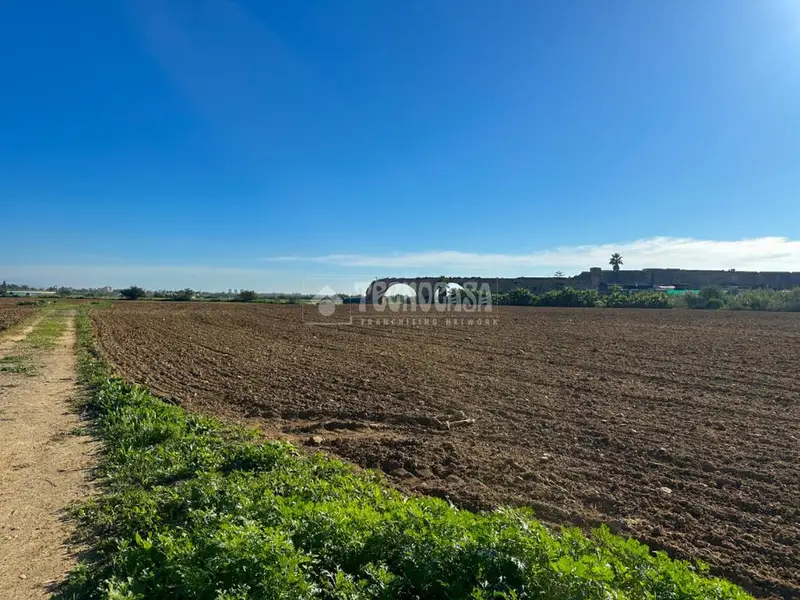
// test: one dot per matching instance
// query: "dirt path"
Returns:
(43, 464)
(10, 338)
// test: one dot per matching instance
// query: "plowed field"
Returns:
(677, 427)
(11, 313)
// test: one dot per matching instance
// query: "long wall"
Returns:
(691, 279)
(597, 278)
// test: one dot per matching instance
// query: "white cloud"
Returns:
(758, 254)
(153, 277)
(348, 272)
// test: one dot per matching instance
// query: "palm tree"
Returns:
(559, 274)
(615, 261)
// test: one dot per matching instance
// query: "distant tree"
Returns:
(132, 293)
(615, 261)
(246, 296)
(183, 295)
(521, 297)
(559, 274)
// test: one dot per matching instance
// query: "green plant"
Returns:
(521, 297)
(17, 364)
(767, 300)
(182, 295)
(132, 293)
(616, 298)
(246, 296)
(567, 297)
(47, 332)
(570, 297)
(712, 292)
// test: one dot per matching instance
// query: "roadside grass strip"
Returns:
(47, 332)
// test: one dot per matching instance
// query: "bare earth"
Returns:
(12, 313)
(43, 467)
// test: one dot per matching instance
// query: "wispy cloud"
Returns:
(758, 254)
(346, 272)
(151, 276)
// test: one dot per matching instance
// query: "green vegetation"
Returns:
(133, 293)
(38, 302)
(47, 332)
(772, 300)
(645, 299)
(615, 261)
(17, 364)
(184, 295)
(194, 509)
(100, 303)
(571, 297)
(246, 296)
(563, 297)
(714, 298)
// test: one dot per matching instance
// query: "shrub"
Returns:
(522, 297)
(182, 295)
(712, 292)
(570, 297)
(644, 299)
(772, 300)
(132, 293)
(246, 296)
(762, 300)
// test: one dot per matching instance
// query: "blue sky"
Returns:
(219, 143)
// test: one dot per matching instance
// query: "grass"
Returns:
(194, 509)
(17, 364)
(47, 332)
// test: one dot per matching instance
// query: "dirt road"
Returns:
(43, 463)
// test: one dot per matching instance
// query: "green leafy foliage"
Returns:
(570, 297)
(769, 300)
(132, 293)
(47, 332)
(184, 295)
(644, 299)
(193, 509)
(20, 365)
(246, 296)
(714, 298)
(564, 297)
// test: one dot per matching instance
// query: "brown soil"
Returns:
(42, 468)
(11, 313)
(679, 428)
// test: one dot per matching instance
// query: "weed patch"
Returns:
(194, 509)
(17, 364)
(47, 332)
